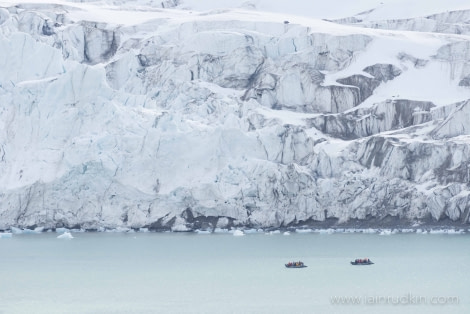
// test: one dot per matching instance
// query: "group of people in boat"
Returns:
(362, 260)
(299, 263)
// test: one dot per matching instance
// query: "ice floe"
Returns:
(5, 235)
(238, 233)
(20, 231)
(303, 230)
(273, 232)
(65, 235)
(203, 231)
(220, 230)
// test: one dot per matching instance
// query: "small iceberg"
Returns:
(16, 230)
(286, 233)
(326, 231)
(238, 233)
(65, 235)
(203, 231)
(220, 230)
(303, 230)
(119, 230)
(437, 231)
(273, 232)
(5, 235)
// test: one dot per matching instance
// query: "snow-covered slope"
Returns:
(201, 114)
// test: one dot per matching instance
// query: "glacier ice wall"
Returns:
(183, 123)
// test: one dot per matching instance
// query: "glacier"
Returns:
(183, 116)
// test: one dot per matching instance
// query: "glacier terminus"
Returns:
(180, 115)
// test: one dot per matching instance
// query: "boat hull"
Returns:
(361, 264)
(302, 266)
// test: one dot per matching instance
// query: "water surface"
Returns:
(222, 273)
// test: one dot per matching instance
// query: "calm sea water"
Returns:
(222, 273)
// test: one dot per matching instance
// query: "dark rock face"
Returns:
(382, 117)
(383, 72)
(417, 62)
(365, 85)
(100, 43)
(465, 81)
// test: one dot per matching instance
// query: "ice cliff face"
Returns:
(183, 120)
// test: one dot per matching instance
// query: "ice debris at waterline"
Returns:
(20, 230)
(65, 235)
(5, 235)
(238, 233)
(241, 232)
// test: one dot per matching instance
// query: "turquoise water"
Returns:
(222, 273)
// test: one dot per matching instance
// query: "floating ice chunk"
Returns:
(273, 232)
(143, 229)
(203, 231)
(407, 230)
(386, 232)
(438, 231)
(5, 235)
(238, 233)
(65, 235)
(453, 231)
(286, 233)
(180, 228)
(251, 231)
(61, 230)
(220, 230)
(119, 229)
(36, 230)
(326, 231)
(303, 230)
(16, 230)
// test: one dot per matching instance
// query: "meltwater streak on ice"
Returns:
(220, 273)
